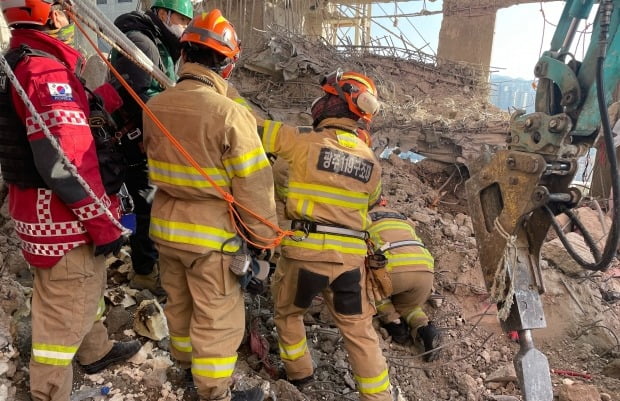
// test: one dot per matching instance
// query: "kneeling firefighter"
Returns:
(409, 269)
(333, 179)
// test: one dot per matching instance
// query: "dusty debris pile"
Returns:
(439, 111)
(475, 363)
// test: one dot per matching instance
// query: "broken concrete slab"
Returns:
(150, 321)
(554, 252)
(578, 392)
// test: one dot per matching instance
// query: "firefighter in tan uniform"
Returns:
(410, 266)
(190, 220)
(333, 178)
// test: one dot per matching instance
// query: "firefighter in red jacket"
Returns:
(65, 232)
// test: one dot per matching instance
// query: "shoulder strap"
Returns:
(386, 215)
(14, 56)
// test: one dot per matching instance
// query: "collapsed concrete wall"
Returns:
(439, 110)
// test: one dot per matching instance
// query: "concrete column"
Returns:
(466, 35)
(248, 17)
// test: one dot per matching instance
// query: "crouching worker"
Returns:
(190, 221)
(410, 268)
(66, 222)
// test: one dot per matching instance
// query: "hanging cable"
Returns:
(603, 261)
(98, 22)
(38, 120)
(237, 222)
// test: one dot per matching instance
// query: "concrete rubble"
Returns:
(441, 114)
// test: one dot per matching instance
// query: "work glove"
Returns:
(111, 248)
(254, 280)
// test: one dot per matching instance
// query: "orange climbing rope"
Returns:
(227, 196)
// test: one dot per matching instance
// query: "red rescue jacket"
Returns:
(52, 221)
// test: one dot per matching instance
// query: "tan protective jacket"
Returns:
(386, 227)
(333, 178)
(188, 213)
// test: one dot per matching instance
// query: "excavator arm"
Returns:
(515, 194)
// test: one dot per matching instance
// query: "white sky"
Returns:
(519, 32)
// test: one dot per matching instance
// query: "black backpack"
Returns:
(14, 146)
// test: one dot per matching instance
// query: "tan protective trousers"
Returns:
(67, 304)
(360, 338)
(206, 316)
(411, 290)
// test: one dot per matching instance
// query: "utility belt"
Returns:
(310, 227)
(378, 260)
(398, 244)
(379, 280)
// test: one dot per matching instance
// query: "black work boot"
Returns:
(430, 337)
(119, 352)
(398, 331)
(188, 383)
(253, 394)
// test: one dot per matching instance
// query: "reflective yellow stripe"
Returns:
(282, 192)
(246, 164)
(373, 385)
(415, 316)
(186, 176)
(215, 368)
(100, 309)
(328, 195)
(383, 304)
(242, 102)
(293, 352)
(57, 355)
(183, 344)
(193, 234)
(270, 133)
(304, 209)
(383, 225)
(346, 139)
(408, 259)
(218, 21)
(324, 242)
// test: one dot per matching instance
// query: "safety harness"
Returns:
(375, 216)
(312, 227)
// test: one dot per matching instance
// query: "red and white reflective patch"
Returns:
(53, 118)
(60, 91)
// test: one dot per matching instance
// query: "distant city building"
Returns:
(510, 93)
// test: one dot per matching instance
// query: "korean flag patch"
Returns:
(60, 92)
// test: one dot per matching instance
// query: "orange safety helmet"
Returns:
(33, 12)
(357, 90)
(215, 32)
